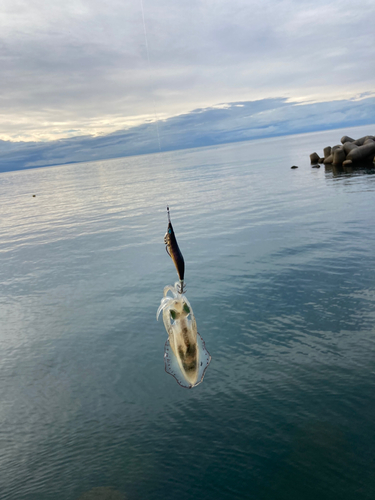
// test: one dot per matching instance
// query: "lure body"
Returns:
(174, 251)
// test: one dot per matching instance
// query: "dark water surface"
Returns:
(280, 271)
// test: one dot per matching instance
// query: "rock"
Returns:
(361, 141)
(294, 166)
(327, 151)
(328, 160)
(348, 146)
(338, 156)
(362, 153)
(315, 166)
(346, 138)
(348, 152)
(314, 158)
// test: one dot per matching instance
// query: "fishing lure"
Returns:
(174, 252)
(186, 357)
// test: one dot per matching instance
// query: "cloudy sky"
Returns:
(80, 68)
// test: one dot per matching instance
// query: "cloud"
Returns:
(227, 122)
(80, 67)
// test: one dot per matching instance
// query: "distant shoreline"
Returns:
(29, 157)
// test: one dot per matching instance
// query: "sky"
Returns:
(85, 69)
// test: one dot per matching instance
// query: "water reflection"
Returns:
(185, 355)
(364, 168)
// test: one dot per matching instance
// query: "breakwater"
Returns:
(356, 153)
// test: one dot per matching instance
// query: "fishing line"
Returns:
(149, 71)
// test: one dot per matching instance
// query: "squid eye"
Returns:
(186, 309)
(173, 314)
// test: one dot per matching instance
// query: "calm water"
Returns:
(280, 271)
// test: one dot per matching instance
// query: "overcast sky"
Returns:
(73, 68)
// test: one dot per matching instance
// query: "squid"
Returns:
(186, 357)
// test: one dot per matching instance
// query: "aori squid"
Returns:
(185, 355)
(189, 358)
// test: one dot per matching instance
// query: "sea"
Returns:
(280, 273)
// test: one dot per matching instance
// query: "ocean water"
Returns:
(280, 272)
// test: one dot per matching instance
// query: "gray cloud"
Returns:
(77, 68)
(202, 127)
